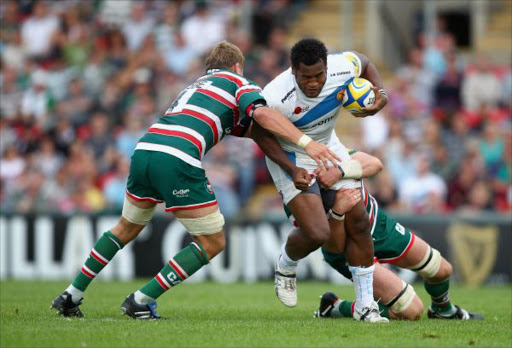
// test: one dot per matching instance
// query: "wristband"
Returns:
(352, 169)
(337, 216)
(304, 141)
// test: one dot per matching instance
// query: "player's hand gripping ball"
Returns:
(358, 95)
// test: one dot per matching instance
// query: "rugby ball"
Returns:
(358, 95)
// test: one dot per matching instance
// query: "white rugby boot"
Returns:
(285, 284)
(369, 314)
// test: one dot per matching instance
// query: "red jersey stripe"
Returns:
(179, 134)
(217, 97)
(231, 78)
(203, 118)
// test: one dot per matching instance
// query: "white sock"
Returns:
(363, 284)
(76, 295)
(286, 264)
(141, 299)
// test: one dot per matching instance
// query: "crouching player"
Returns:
(394, 244)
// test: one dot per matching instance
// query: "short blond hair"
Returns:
(224, 55)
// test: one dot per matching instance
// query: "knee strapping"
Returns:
(209, 224)
(136, 215)
(429, 266)
(403, 300)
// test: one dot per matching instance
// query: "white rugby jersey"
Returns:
(317, 116)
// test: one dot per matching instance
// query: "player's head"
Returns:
(309, 65)
(225, 55)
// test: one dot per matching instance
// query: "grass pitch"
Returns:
(237, 315)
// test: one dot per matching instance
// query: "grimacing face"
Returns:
(311, 78)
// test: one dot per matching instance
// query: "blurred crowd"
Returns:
(81, 81)
(445, 137)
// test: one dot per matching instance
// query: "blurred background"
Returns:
(81, 81)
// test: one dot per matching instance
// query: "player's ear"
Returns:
(238, 69)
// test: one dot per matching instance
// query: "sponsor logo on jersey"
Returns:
(339, 73)
(328, 119)
(288, 95)
(300, 109)
(181, 193)
(208, 187)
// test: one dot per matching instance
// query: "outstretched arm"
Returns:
(282, 127)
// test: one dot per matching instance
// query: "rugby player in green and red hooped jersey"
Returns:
(393, 244)
(166, 167)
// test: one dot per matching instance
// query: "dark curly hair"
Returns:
(308, 52)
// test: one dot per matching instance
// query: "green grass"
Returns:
(237, 315)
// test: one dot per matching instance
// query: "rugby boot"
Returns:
(137, 311)
(66, 307)
(328, 302)
(369, 314)
(285, 285)
(460, 314)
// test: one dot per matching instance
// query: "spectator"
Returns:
(420, 80)
(481, 87)
(138, 26)
(424, 192)
(10, 94)
(115, 186)
(180, 55)
(47, 160)
(77, 104)
(491, 148)
(448, 88)
(37, 31)
(12, 164)
(37, 101)
(203, 24)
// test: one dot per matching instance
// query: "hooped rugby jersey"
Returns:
(317, 116)
(202, 115)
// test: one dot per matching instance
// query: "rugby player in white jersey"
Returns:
(310, 94)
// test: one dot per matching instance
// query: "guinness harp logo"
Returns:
(474, 250)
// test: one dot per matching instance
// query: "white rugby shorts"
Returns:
(284, 183)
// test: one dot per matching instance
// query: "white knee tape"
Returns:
(404, 299)
(135, 214)
(209, 224)
(429, 266)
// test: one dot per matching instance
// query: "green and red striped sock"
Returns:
(346, 309)
(101, 254)
(185, 263)
(439, 293)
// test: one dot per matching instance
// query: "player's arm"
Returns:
(282, 127)
(360, 166)
(273, 150)
(369, 72)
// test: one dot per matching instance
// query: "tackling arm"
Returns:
(273, 150)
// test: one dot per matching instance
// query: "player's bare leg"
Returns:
(205, 225)
(435, 271)
(313, 231)
(67, 303)
(350, 233)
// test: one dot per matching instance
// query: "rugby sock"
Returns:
(346, 309)
(286, 264)
(185, 263)
(439, 292)
(363, 284)
(104, 250)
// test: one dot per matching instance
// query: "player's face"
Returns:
(311, 78)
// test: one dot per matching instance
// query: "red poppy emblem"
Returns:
(297, 110)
